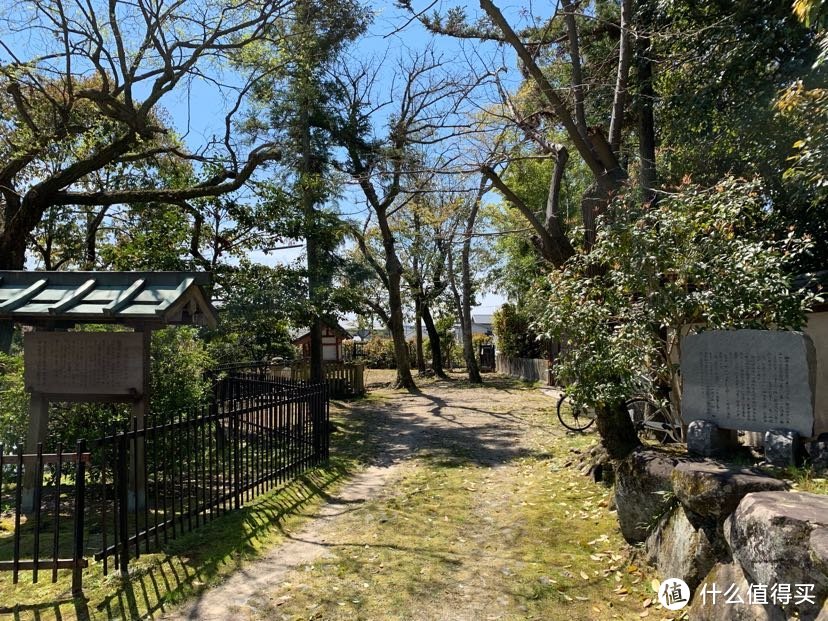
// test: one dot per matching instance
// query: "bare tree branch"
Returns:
(619, 104)
(558, 105)
(575, 62)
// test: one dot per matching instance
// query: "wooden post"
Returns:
(138, 446)
(38, 426)
(359, 381)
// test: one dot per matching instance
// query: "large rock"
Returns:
(705, 608)
(711, 489)
(818, 452)
(681, 550)
(642, 488)
(783, 447)
(782, 538)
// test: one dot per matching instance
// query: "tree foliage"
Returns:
(699, 260)
(513, 331)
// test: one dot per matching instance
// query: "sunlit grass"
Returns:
(190, 563)
(526, 539)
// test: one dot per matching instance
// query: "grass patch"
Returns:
(528, 538)
(192, 562)
(805, 480)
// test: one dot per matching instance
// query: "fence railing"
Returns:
(136, 489)
(345, 379)
(48, 517)
(529, 369)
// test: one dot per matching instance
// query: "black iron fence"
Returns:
(136, 489)
(49, 534)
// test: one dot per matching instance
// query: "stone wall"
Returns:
(706, 522)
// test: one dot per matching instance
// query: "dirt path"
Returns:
(443, 525)
(414, 423)
(247, 586)
(441, 418)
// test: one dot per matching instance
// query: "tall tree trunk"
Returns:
(397, 327)
(646, 121)
(434, 340)
(317, 369)
(468, 345)
(393, 269)
(617, 430)
(6, 335)
(465, 271)
(12, 257)
(462, 302)
(418, 331)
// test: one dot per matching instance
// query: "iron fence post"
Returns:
(80, 498)
(237, 487)
(122, 504)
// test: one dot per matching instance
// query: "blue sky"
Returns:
(197, 111)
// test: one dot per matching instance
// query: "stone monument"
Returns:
(752, 380)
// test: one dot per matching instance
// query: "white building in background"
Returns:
(481, 324)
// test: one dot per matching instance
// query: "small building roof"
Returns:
(38, 298)
(483, 318)
(301, 333)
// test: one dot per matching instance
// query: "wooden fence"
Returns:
(529, 369)
(345, 379)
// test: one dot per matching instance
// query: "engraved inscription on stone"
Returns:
(84, 363)
(753, 380)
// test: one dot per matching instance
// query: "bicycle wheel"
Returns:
(651, 421)
(574, 418)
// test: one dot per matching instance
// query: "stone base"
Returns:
(680, 550)
(818, 452)
(713, 490)
(782, 538)
(705, 438)
(642, 486)
(783, 447)
(754, 439)
(724, 576)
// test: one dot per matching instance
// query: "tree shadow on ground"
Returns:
(427, 425)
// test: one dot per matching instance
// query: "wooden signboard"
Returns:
(105, 364)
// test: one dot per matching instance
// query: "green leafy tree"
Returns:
(256, 306)
(804, 104)
(179, 362)
(699, 260)
(14, 401)
(296, 101)
(719, 111)
(514, 334)
(82, 94)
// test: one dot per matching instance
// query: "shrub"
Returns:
(700, 258)
(379, 353)
(515, 336)
(14, 400)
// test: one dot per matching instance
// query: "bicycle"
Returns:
(652, 421)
